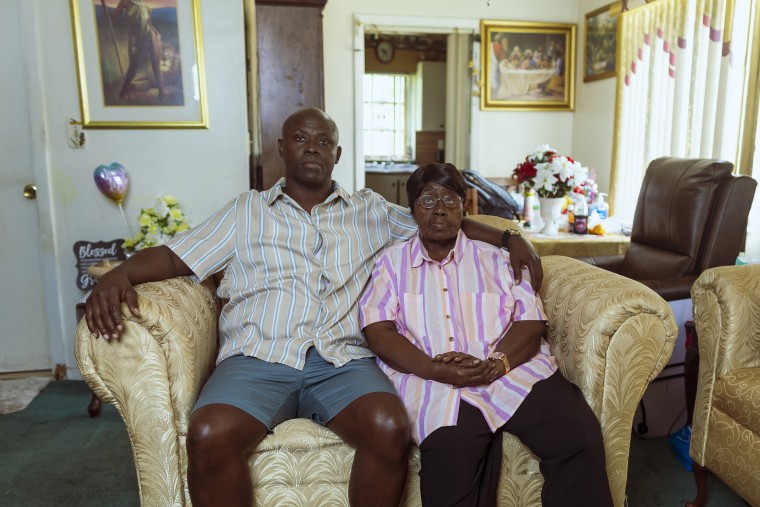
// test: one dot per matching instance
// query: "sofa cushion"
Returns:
(738, 395)
(303, 463)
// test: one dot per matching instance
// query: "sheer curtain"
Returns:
(679, 89)
(458, 98)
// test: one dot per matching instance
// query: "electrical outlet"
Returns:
(75, 134)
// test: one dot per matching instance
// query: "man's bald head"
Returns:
(309, 113)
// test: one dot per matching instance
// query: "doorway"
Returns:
(404, 91)
(433, 51)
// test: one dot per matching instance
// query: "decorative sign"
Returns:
(89, 253)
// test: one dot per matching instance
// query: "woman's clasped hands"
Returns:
(464, 370)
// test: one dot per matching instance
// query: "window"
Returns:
(385, 116)
(679, 87)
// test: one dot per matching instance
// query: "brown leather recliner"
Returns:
(691, 215)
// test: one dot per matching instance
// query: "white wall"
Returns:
(504, 137)
(203, 168)
(594, 116)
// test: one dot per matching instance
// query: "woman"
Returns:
(463, 345)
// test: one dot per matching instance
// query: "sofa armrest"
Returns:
(612, 336)
(152, 375)
(176, 330)
(725, 301)
(596, 317)
(500, 223)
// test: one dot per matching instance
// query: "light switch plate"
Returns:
(75, 135)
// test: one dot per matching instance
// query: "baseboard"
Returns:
(25, 374)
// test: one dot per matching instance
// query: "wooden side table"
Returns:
(564, 243)
(578, 245)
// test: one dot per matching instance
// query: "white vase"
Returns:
(551, 211)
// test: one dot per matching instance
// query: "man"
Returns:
(499, 48)
(295, 259)
(144, 43)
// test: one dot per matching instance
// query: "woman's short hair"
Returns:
(445, 175)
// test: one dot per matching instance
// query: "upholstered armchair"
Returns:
(726, 430)
(611, 336)
(691, 215)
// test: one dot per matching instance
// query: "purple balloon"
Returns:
(112, 180)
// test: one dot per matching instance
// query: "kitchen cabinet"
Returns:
(391, 185)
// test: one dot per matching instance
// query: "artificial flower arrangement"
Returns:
(551, 174)
(588, 188)
(157, 224)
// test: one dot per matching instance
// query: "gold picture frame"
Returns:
(600, 44)
(527, 66)
(139, 64)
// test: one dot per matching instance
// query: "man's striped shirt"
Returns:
(293, 277)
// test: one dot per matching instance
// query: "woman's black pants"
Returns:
(461, 464)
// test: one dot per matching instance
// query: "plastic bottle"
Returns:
(580, 225)
(602, 208)
(537, 222)
(570, 217)
(527, 215)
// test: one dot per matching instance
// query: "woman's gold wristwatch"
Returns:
(508, 233)
(501, 356)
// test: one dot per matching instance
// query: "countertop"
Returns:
(389, 168)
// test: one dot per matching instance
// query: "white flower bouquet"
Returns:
(549, 173)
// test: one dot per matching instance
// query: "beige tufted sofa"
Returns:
(611, 336)
(726, 429)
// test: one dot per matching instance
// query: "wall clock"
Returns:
(385, 51)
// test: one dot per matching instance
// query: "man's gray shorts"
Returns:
(273, 392)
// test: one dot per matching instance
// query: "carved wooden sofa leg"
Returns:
(94, 406)
(700, 477)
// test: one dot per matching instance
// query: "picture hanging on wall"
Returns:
(527, 66)
(139, 63)
(600, 38)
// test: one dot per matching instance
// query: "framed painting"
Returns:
(600, 36)
(527, 66)
(139, 63)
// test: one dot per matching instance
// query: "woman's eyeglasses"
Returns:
(429, 202)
